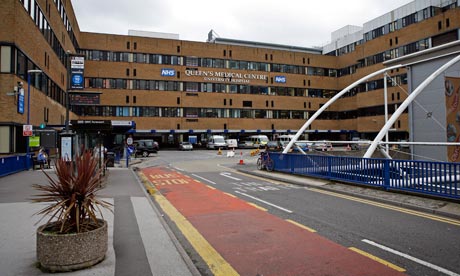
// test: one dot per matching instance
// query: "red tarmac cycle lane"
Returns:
(253, 241)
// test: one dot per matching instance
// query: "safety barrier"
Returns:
(440, 179)
(12, 164)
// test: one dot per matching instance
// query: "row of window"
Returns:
(37, 15)
(193, 113)
(159, 85)
(99, 55)
(387, 55)
(246, 65)
(100, 83)
(394, 26)
(10, 54)
(66, 21)
(408, 20)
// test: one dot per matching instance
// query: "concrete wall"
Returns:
(428, 111)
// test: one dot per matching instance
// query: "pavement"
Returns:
(140, 241)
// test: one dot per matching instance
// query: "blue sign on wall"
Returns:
(168, 72)
(280, 79)
(21, 103)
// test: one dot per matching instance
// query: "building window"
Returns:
(447, 23)
(439, 25)
(134, 99)
(134, 72)
(127, 99)
(5, 61)
(127, 45)
(127, 71)
(247, 103)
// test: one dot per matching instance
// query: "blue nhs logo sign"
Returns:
(168, 72)
(280, 79)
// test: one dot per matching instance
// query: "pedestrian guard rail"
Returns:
(12, 164)
(441, 179)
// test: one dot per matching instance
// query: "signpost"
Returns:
(27, 130)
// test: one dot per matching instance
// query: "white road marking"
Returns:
(227, 174)
(202, 178)
(266, 202)
(422, 262)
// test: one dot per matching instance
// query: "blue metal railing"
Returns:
(13, 164)
(440, 179)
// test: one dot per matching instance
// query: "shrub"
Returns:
(72, 195)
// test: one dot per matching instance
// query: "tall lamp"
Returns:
(29, 74)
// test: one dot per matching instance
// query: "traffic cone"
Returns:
(241, 159)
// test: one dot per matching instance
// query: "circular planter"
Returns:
(66, 252)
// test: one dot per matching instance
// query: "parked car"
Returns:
(322, 145)
(303, 145)
(145, 147)
(185, 146)
(362, 144)
(245, 145)
(274, 146)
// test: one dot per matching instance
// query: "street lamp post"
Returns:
(29, 73)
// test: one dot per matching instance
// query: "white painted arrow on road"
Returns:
(227, 174)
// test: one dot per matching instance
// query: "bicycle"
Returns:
(265, 162)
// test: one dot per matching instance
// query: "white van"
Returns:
(232, 143)
(259, 140)
(285, 138)
(216, 142)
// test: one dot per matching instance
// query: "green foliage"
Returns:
(72, 195)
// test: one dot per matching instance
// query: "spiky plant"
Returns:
(73, 195)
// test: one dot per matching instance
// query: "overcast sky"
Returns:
(304, 23)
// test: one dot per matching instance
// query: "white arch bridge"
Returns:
(434, 178)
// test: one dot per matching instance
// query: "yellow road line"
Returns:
(301, 226)
(375, 258)
(390, 207)
(229, 194)
(213, 259)
(210, 187)
(147, 184)
(257, 206)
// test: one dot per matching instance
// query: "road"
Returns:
(420, 244)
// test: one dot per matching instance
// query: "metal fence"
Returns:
(12, 164)
(440, 179)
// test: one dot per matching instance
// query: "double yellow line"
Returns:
(390, 207)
